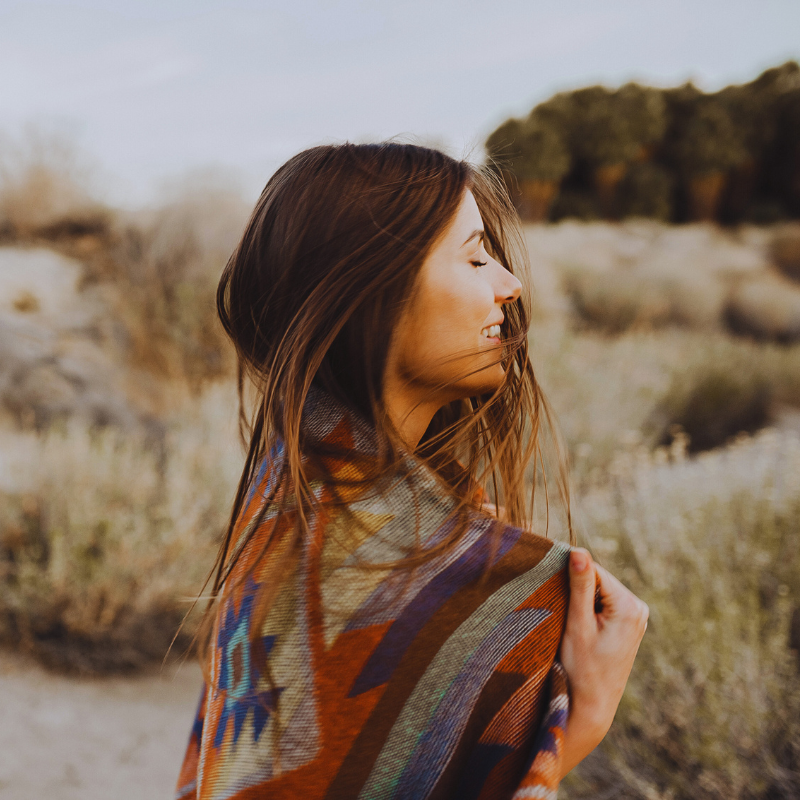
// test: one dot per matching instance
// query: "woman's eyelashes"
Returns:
(480, 257)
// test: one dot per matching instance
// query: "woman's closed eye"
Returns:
(478, 263)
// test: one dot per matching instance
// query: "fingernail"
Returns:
(579, 561)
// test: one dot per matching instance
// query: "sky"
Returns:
(152, 89)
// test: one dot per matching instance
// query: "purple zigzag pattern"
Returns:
(384, 659)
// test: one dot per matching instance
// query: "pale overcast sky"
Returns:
(152, 88)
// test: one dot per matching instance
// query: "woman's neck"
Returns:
(410, 416)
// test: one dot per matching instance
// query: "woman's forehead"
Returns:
(466, 222)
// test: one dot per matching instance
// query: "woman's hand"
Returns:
(597, 652)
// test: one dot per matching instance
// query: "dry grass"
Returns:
(785, 251)
(625, 300)
(635, 388)
(159, 268)
(167, 264)
(45, 189)
(766, 309)
(712, 709)
(105, 537)
(104, 534)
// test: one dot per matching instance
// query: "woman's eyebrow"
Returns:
(478, 232)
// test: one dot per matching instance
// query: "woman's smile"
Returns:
(461, 291)
(492, 333)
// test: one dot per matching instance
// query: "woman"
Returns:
(376, 631)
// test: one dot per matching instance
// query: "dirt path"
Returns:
(69, 738)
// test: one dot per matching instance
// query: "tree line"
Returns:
(676, 154)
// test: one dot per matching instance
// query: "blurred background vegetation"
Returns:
(670, 352)
(670, 154)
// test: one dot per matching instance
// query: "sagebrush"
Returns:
(107, 538)
(660, 349)
(712, 709)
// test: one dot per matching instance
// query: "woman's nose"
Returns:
(508, 287)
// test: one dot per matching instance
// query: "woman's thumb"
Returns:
(582, 580)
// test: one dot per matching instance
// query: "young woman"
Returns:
(378, 629)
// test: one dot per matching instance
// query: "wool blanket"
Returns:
(438, 681)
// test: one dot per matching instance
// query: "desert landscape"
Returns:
(670, 353)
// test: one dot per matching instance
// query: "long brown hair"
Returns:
(311, 295)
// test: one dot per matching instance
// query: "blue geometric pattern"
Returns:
(432, 680)
(241, 669)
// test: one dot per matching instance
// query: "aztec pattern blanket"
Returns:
(434, 682)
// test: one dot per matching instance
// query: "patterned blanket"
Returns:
(351, 682)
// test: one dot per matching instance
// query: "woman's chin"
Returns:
(486, 381)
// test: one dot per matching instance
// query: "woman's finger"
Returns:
(581, 588)
(618, 600)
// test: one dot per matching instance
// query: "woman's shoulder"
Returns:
(535, 558)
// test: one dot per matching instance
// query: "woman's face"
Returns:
(448, 344)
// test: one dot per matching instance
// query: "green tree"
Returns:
(601, 138)
(646, 191)
(706, 146)
(645, 112)
(788, 149)
(753, 113)
(754, 109)
(709, 142)
(503, 144)
(621, 152)
(531, 149)
(558, 113)
(533, 152)
(600, 134)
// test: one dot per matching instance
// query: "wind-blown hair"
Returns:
(312, 294)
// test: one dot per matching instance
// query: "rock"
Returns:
(57, 358)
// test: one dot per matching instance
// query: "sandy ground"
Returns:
(66, 738)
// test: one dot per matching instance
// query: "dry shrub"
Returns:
(108, 537)
(614, 302)
(712, 709)
(45, 190)
(58, 354)
(716, 394)
(167, 265)
(785, 251)
(602, 389)
(609, 392)
(645, 276)
(162, 265)
(767, 309)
